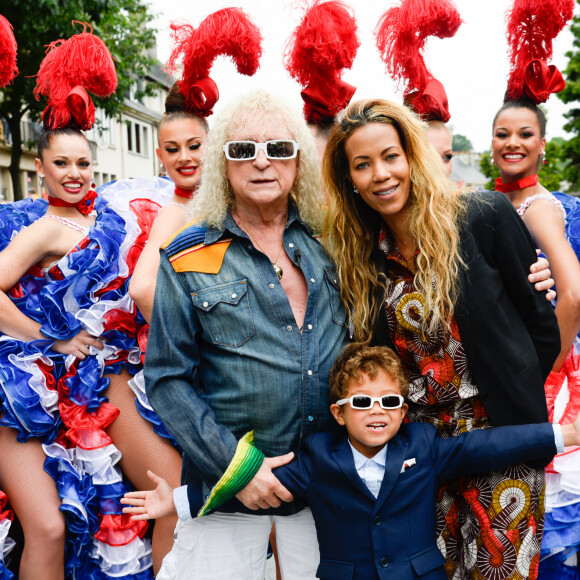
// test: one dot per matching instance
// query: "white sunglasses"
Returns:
(367, 402)
(247, 150)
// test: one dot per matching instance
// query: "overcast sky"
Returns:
(472, 66)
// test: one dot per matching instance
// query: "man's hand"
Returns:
(149, 505)
(264, 490)
(541, 277)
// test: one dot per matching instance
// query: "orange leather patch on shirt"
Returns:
(201, 258)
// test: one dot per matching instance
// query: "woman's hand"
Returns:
(541, 277)
(79, 345)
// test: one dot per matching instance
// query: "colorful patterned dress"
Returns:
(488, 527)
(62, 400)
(562, 527)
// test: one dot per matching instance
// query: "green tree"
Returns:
(489, 170)
(122, 24)
(461, 143)
(552, 172)
(571, 94)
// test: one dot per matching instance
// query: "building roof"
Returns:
(467, 174)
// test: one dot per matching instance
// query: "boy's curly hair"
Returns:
(358, 360)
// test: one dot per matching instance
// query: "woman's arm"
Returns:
(546, 224)
(28, 248)
(142, 286)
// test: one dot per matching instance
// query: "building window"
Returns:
(103, 131)
(137, 138)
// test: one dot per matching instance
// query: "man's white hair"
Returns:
(215, 195)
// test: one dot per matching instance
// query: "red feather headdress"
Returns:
(225, 32)
(532, 25)
(8, 68)
(401, 34)
(70, 69)
(320, 48)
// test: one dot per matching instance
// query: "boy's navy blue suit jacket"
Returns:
(394, 536)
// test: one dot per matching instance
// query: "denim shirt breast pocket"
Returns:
(224, 312)
(333, 287)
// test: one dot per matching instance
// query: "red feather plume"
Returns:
(225, 32)
(8, 68)
(532, 25)
(320, 48)
(70, 68)
(401, 34)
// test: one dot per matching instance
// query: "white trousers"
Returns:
(234, 545)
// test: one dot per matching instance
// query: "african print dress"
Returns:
(562, 527)
(488, 526)
(62, 400)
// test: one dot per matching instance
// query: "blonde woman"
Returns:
(441, 276)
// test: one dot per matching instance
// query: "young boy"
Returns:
(372, 488)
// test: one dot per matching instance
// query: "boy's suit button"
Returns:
(377, 521)
(384, 562)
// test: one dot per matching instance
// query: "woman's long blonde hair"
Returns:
(351, 227)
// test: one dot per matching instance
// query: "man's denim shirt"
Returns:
(225, 356)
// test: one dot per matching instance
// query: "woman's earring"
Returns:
(41, 177)
(162, 171)
(491, 161)
(355, 189)
(544, 160)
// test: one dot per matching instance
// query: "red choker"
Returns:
(85, 206)
(515, 185)
(187, 193)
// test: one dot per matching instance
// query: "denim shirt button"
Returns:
(312, 280)
(205, 304)
(290, 245)
(271, 285)
(310, 327)
(289, 328)
(309, 372)
(234, 295)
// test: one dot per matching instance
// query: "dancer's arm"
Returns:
(142, 286)
(546, 224)
(39, 241)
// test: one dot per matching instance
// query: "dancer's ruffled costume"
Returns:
(63, 400)
(562, 526)
(129, 188)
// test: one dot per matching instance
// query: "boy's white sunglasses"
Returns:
(367, 402)
(247, 150)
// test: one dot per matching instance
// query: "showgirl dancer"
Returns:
(518, 148)
(69, 343)
(401, 48)
(316, 54)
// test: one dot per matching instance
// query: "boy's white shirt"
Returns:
(371, 471)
